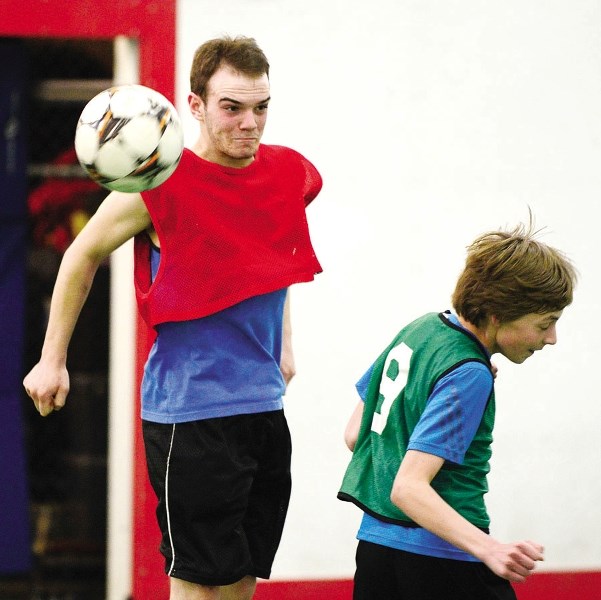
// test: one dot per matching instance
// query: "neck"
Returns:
(483, 333)
(205, 152)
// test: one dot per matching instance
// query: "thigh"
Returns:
(477, 582)
(397, 575)
(269, 496)
(375, 577)
(223, 487)
(202, 489)
(430, 578)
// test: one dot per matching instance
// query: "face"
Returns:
(233, 118)
(520, 339)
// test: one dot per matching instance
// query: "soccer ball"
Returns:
(129, 138)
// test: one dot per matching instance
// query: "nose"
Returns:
(551, 336)
(247, 120)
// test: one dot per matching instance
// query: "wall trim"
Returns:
(578, 585)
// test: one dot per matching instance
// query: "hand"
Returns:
(516, 561)
(47, 387)
(287, 366)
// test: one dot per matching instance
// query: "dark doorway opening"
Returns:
(67, 451)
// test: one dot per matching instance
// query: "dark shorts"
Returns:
(223, 487)
(384, 572)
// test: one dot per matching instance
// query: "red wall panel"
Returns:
(541, 586)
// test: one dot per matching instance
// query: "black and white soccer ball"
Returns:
(129, 138)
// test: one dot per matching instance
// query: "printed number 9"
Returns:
(397, 362)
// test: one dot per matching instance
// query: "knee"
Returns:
(245, 588)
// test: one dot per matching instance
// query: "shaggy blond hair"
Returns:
(509, 274)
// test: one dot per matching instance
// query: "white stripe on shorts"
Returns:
(167, 503)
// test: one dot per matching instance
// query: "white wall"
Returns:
(432, 121)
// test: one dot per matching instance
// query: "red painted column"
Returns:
(153, 24)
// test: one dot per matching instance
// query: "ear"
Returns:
(196, 106)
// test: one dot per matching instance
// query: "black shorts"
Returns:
(384, 572)
(223, 487)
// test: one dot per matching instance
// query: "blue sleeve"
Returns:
(453, 413)
(363, 384)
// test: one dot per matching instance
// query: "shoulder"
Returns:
(293, 166)
(471, 372)
(281, 153)
(427, 322)
(123, 206)
(179, 181)
(121, 216)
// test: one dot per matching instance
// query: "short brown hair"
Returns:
(241, 53)
(509, 274)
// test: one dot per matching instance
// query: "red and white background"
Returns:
(431, 121)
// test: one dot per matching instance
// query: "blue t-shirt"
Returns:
(224, 364)
(445, 429)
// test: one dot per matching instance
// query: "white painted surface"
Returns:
(121, 386)
(432, 121)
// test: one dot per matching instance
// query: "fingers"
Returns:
(532, 549)
(45, 408)
(59, 399)
(46, 404)
(531, 554)
(288, 372)
(523, 559)
(515, 561)
(47, 387)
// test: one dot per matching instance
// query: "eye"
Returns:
(262, 108)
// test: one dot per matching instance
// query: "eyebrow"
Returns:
(233, 101)
(551, 319)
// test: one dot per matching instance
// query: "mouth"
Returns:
(533, 350)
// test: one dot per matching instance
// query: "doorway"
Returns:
(66, 453)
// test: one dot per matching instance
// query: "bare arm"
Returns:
(414, 495)
(351, 433)
(120, 217)
(287, 365)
